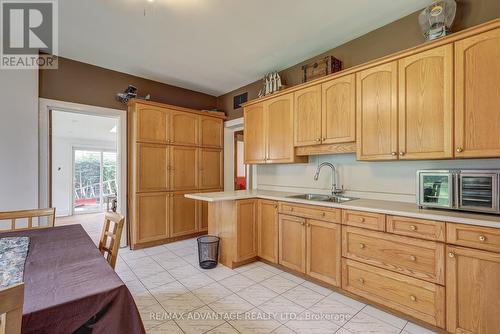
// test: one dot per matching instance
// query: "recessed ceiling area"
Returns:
(75, 126)
(214, 46)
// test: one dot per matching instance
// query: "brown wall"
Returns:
(396, 36)
(82, 83)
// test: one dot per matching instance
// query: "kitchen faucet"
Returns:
(335, 191)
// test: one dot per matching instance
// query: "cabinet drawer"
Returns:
(310, 211)
(418, 258)
(419, 299)
(486, 238)
(418, 228)
(369, 220)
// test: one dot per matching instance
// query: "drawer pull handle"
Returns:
(361, 220)
(413, 298)
(323, 214)
(413, 258)
(362, 281)
(413, 227)
(362, 246)
(482, 238)
(451, 254)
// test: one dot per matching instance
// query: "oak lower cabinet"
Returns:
(183, 215)
(472, 291)
(151, 217)
(246, 229)
(267, 231)
(292, 242)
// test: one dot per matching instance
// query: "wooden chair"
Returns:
(15, 216)
(110, 237)
(11, 309)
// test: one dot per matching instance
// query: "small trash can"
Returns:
(208, 251)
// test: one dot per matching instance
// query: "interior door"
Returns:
(307, 116)
(477, 96)
(377, 113)
(279, 125)
(426, 104)
(255, 134)
(184, 128)
(292, 242)
(183, 168)
(339, 110)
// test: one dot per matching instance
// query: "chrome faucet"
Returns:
(335, 191)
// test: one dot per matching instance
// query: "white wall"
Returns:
(62, 165)
(18, 139)
(393, 180)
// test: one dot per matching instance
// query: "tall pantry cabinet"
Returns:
(171, 151)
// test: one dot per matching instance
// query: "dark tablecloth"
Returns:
(68, 282)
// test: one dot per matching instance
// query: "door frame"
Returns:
(235, 168)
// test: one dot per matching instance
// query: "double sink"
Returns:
(323, 198)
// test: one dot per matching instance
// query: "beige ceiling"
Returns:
(214, 46)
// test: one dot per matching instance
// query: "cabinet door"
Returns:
(152, 165)
(477, 96)
(292, 242)
(184, 128)
(183, 215)
(377, 113)
(183, 168)
(279, 125)
(307, 116)
(246, 229)
(268, 231)
(426, 104)
(472, 291)
(211, 132)
(324, 251)
(152, 124)
(211, 170)
(339, 110)
(254, 134)
(151, 218)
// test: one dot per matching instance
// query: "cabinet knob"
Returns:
(308, 225)
(401, 154)
(361, 220)
(413, 298)
(413, 258)
(451, 254)
(323, 139)
(362, 246)
(302, 223)
(362, 281)
(323, 214)
(275, 206)
(291, 209)
(394, 154)
(318, 139)
(460, 150)
(482, 238)
(413, 227)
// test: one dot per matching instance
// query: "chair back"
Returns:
(16, 216)
(110, 237)
(11, 309)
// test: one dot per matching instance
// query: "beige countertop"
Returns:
(369, 205)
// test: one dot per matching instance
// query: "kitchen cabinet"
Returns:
(183, 167)
(246, 229)
(183, 128)
(477, 95)
(183, 215)
(426, 104)
(268, 226)
(268, 135)
(152, 167)
(377, 112)
(152, 124)
(211, 132)
(211, 170)
(472, 291)
(323, 243)
(151, 217)
(307, 116)
(292, 242)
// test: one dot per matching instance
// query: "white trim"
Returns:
(238, 122)
(45, 105)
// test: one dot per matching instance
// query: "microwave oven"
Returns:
(459, 189)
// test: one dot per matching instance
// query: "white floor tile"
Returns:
(318, 288)
(199, 321)
(412, 328)
(255, 323)
(182, 303)
(236, 283)
(196, 281)
(363, 323)
(258, 274)
(156, 280)
(224, 329)
(231, 305)
(212, 292)
(303, 296)
(168, 291)
(256, 294)
(282, 308)
(169, 327)
(384, 316)
(278, 284)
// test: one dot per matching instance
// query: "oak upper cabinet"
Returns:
(152, 123)
(183, 167)
(377, 112)
(267, 238)
(184, 215)
(152, 167)
(183, 128)
(472, 291)
(292, 242)
(211, 170)
(151, 216)
(246, 229)
(477, 96)
(324, 251)
(338, 110)
(211, 132)
(279, 129)
(426, 104)
(255, 134)
(307, 116)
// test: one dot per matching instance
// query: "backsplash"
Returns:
(394, 180)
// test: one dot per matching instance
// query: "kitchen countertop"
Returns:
(368, 205)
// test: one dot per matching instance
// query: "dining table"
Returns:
(70, 288)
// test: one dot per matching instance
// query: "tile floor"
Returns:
(174, 295)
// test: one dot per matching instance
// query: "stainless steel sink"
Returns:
(323, 198)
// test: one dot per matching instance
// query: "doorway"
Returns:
(240, 170)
